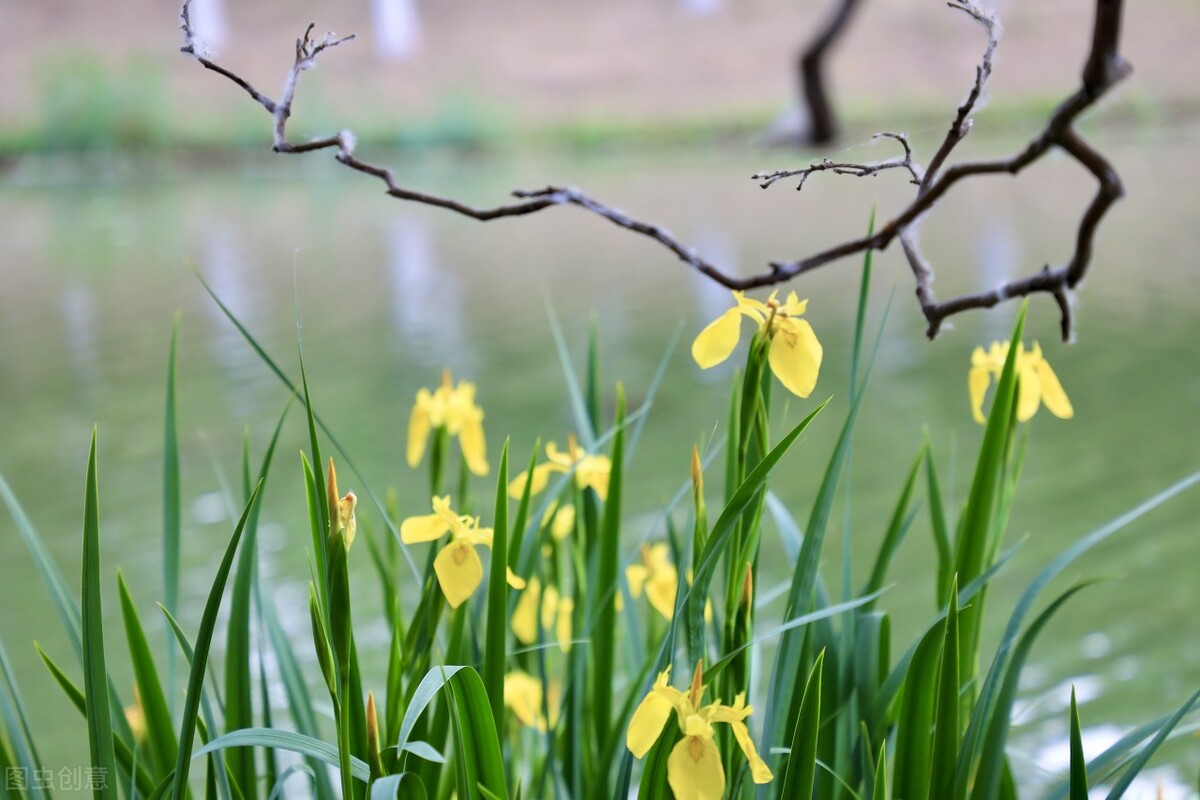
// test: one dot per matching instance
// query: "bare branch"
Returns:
(1104, 68)
(849, 168)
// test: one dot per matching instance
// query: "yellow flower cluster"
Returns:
(452, 408)
(795, 353)
(458, 567)
(694, 767)
(1036, 382)
(591, 471)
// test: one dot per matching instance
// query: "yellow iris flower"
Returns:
(590, 470)
(545, 608)
(795, 353)
(657, 576)
(523, 694)
(1037, 384)
(458, 566)
(453, 408)
(694, 767)
(561, 520)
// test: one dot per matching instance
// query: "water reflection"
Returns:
(227, 270)
(426, 307)
(78, 311)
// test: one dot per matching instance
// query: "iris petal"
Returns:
(418, 432)
(423, 528)
(647, 723)
(459, 571)
(473, 446)
(1052, 392)
(717, 341)
(694, 770)
(977, 384)
(795, 356)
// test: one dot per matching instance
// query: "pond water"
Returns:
(98, 261)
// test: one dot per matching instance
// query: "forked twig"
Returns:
(1105, 66)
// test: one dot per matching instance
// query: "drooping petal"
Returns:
(977, 384)
(523, 694)
(564, 522)
(795, 356)
(694, 770)
(473, 446)
(758, 768)
(549, 605)
(424, 528)
(593, 472)
(717, 341)
(459, 571)
(636, 574)
(541, 476)
(418, 429)
(647, 723)
(562, 629)
(1029, 390)
(660, 591)
(1052, 392)
(481, 536)
(514, 580)
(524, 621)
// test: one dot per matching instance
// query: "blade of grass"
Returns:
(201, 647)
(497, 604)
(1079, 782)
(284, 740)
(802, 757)
(345, 456)
(603, 649)
(171, 499)
(95, 670)
(1143, 757)
(17, 724)
(159, 726)
(992, 757)
(579, 406)
(124, 754)
(972, 740)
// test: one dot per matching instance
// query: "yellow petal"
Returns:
(594, 471)
(647, 723)
(758, 768)
(514, 580)
(459, 571)
(566, 607)
(977, 384)
(716, 342)
(423, 528)
(541, 476)
(418, 430)
(694, 770)
(564, 522)
(474, 447)
(1052, 392)
(481, 536)
(795, 356)
(549, 605)
(636, 575)
(524, 621)
(1029, 391)
(523, 694)
(660, 591)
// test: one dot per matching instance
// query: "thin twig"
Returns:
(1104, 68)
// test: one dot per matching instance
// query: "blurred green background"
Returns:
(126, 167)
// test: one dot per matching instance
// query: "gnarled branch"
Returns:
(1104, 67)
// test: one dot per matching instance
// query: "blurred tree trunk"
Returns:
(397, 25)
(814, 93)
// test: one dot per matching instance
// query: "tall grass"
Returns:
(545, 680)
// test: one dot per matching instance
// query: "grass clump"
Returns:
(535, 649)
